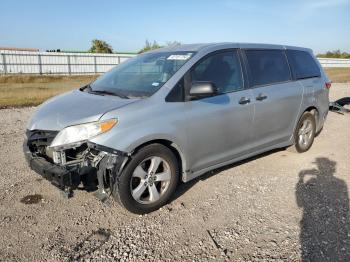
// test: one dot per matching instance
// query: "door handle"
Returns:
(261, 97)
(244, 100)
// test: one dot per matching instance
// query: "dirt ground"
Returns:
(277, 206)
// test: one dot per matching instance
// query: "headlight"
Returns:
(81, 133)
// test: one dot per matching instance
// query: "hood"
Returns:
(72, 108)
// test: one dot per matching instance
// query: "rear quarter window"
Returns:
(303, 64)
(267, 67)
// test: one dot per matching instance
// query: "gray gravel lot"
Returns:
(277, 206)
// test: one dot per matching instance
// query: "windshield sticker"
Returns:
(179, 57)
(155, 84)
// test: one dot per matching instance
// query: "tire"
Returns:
(139, 179)
(319, 132)
(304, 133)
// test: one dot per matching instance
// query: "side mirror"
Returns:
(202, 89)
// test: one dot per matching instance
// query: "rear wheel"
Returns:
(304, 133)
(149, 179)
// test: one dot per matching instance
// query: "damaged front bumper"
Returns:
(94, 166)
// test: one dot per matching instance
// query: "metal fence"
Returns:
(22, 62)
(334, 62)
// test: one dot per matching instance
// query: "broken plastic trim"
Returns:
(91, 162)
(67, 146)
(108, 169)
(106, 149)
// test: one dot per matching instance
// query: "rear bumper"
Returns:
(61, 177)
(321, 120)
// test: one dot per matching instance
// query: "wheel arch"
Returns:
(310, 109)
(172, 146)
(313, 110)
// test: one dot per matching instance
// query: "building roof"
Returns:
(19, 49)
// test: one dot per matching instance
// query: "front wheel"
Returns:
(148, 180)
(304, 133)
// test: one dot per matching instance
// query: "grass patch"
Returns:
(19, 91)
(24, 79)
(338, 75)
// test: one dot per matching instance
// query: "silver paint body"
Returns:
(207, 133)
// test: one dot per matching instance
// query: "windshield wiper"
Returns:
(105, 92)
(88, 89)
(85, 88)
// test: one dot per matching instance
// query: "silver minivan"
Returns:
(173, 114)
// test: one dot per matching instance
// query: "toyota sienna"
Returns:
(175, 113)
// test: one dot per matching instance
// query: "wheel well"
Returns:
(313, 110)
(169, 145)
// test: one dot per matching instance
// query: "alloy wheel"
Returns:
(305, 133)
(150, 180)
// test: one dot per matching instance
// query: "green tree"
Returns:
(173, 43)
(334, 54)
(100, 46)
(151, 46)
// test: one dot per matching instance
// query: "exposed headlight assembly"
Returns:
(75, 135)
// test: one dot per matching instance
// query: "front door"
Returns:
(220, 127)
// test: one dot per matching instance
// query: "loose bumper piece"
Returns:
(68, 177)
(339, 105)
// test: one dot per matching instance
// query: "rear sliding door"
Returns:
(276, 97)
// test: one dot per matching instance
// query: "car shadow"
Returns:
(325, 224)
(184, 187)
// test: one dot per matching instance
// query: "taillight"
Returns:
(328, 85)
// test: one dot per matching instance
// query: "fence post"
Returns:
(40, 65)
(68, 64)
(118, 59)
(4, 63)
(95, 65)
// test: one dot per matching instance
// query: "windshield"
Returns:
(141, 76)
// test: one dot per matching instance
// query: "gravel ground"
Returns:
(277, 206)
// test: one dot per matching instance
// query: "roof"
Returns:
(197, 47)
(185, 47)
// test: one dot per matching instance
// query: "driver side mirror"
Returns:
(201, 89)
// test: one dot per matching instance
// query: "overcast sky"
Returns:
(71, 25)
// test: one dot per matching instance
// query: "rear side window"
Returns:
(303, 64)
(267, 67)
